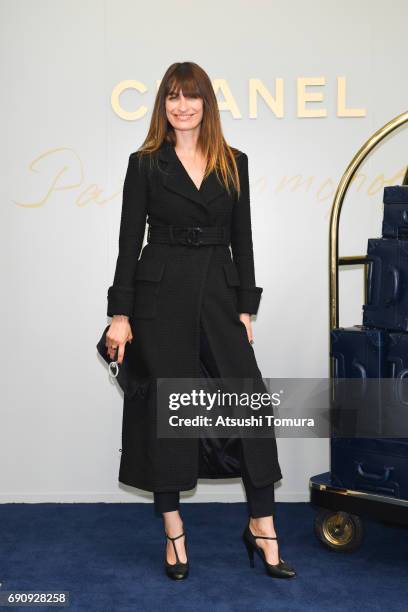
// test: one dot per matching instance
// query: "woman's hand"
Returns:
(117, 335)
(246, 320)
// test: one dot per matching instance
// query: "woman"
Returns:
(183, 309)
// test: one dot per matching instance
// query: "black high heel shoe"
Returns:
(177, 570)
(278, 570)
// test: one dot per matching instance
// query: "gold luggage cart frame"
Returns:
(338, 524)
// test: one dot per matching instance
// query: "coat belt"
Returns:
(189, 236)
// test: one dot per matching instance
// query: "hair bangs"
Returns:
(185, 82)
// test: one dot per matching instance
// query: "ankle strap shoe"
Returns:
(277, 570)
(177, 570)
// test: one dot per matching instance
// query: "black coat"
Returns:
(166, 293)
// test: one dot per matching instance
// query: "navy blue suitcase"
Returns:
(395, 220)
(369, 464)
(395, 399)
(397, 355)
(359, 352)
(387, 286)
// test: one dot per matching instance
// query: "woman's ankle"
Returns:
(262, 525)
(173, 523)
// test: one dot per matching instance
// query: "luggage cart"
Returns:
(338, 524)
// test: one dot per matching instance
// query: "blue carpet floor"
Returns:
(110, 558)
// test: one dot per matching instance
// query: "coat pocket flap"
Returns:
(231, 274)
(149, 270)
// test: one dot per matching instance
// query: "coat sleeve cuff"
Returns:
(120, 300)
(248, 299)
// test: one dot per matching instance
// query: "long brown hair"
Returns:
(194, 82)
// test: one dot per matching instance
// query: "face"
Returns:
(183, 112)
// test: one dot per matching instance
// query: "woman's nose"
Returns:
(182, 102)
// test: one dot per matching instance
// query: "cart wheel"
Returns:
(339, 531)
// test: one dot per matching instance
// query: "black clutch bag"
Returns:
(123, 373)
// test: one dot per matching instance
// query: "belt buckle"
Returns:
(193, 237)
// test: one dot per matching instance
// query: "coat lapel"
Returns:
(177, 179)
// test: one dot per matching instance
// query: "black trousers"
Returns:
(260, 500)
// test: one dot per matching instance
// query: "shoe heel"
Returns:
(250, 551)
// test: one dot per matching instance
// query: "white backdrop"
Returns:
(64, 154)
